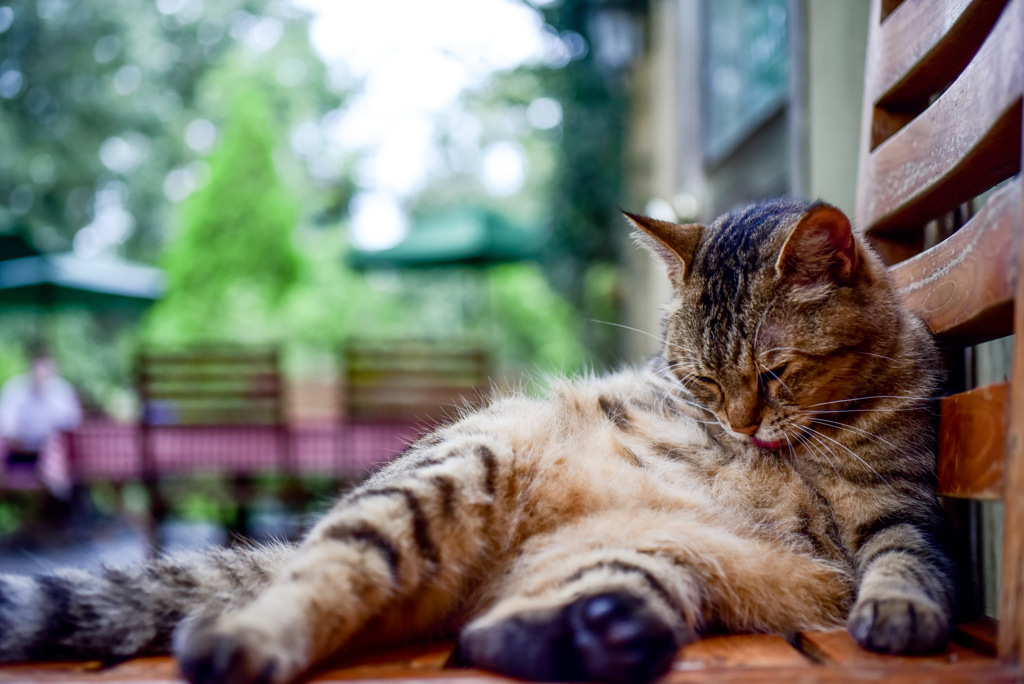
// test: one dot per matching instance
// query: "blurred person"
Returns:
(34, 408)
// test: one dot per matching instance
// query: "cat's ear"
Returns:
(675, 244)
(820, 244)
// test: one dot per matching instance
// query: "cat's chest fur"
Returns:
(761, 492)
(621, 443)
(755, 492)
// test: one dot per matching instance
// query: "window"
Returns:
(746, 69)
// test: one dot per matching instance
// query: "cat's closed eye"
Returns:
(705, 389)
(772, 375)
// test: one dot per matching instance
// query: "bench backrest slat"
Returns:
(941, 149)
(411, 381)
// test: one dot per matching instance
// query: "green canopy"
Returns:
(58, 280)
(461, 236)
(15, 246)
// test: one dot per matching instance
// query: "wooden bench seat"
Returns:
(819, 657)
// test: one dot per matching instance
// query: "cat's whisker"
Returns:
(659, 338)
(851, 452)
(687, 380)
(648, 380)
(663, 396)
(887, 410)
(670, 394)
(880, 356)
(843, 426)
(824, 450)
(820, 448)
(769, 371)
(789, 442)
(878, 396)
(699, 406)
(768, 351)
(673, 394)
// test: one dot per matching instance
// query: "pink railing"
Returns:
(102, 450)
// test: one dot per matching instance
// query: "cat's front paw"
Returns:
(899, 624)
(610, 637)
(208, 654)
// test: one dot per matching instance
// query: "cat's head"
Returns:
(779, 311)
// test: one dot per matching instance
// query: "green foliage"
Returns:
(534, 325)
(12, 354)
(94, 353)
(250, 258)
(586, 226)
(101, 91)
(58, 118)
(232, 261)
(576, 169)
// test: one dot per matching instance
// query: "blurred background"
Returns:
(265, 240)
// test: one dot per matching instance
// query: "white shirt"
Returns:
(30, 415)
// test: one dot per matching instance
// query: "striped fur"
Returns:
(771, 471)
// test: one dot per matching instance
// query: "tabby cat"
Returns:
(771, 470)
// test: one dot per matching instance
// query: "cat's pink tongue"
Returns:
(761, 444)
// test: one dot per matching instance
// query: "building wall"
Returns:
(835, 45)
(653, 172)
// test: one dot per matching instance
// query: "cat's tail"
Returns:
(116, 613)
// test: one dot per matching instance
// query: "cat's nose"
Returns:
(749, 430)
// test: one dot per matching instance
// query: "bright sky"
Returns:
(414, 58)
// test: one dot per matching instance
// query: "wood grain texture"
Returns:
(972, 433)
(879, 124)
(961, 145)
(963, 287)
(983, 674)
(751, 659)
(964, 143)
(888, 7)
(740, 650)
(924, 45)
(838, 647)
(872, 67)
(981, 635)
(1011, 632)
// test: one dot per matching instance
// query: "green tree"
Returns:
(576, 179)
(233, 260)
(96, 97)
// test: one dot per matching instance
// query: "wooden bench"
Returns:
(940, 194)
(926, 150)
(211, 391)
(821, 658)
(397, 391)
(419, 380)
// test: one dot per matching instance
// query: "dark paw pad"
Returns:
(899, 625)
(613, 637)
(620, 639)
(209, 657)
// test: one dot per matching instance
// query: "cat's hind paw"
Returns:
(208, 655)
(618, 639)
(904, 625)
(610, 637)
